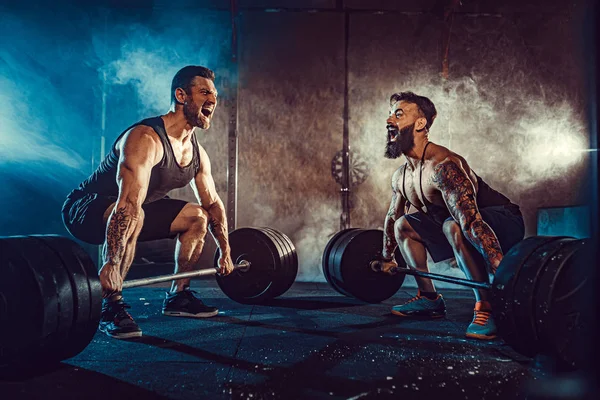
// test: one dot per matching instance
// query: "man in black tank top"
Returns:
(442, 207)
(124, 201)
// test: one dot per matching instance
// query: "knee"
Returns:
(453, 233)
(197, 218)
(403, 229)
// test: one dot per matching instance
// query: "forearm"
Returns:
(218, 226)
(389, 238)
(121, 227)
(483, 238)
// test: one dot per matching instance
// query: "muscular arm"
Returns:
(206, 193)
(138, 153)
(394, 213)
(459, 194)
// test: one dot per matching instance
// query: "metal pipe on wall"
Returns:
(345, 190)
(232, 165)
(102, 118)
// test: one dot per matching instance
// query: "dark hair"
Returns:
(425, 105)
(184, 77)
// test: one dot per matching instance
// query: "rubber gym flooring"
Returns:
(310, 343)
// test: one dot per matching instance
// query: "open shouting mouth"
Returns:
(207, 110)
(392, 133)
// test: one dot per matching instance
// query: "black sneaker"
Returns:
(185, 304)
(116, 322)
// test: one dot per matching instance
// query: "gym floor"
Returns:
(310, 343)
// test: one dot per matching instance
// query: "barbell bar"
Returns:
(376, 266)
(242, 266)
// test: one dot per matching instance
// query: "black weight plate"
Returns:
(82, 270)
(523, 297)
(21, 291)
(57, 298)
(563, 309)
(335, 253)
(252, 286)
(504, 281)
(293, 255)
(355, 252)
(293, 267)
(40, 256)
(279, 277)
(290, 267)
(326, 257)
(57, 322)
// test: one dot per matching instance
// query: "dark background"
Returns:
(513, 103)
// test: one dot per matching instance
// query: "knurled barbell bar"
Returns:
(539, 292)
(50, 292)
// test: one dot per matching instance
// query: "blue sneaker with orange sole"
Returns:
(483, 325)
(421, 306)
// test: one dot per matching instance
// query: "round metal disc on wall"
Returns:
(359, 169)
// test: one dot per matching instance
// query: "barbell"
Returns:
(539, 292)
(51, 297)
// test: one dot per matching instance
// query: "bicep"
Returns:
(136, 159)
(458, 192)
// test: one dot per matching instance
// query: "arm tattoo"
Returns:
(389, 238)
(116, 236)
(459, 194)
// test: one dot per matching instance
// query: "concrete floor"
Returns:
(311, 343)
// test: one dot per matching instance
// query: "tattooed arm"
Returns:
(394, 213)
(206, 193)
(459, 194)
(139, 152)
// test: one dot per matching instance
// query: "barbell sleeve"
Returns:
(376, 266)
(242, 265)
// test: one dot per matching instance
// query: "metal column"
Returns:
(345, 190)
(232, 163)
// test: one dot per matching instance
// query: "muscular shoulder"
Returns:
(451, 173)
(397, 177)
(140, 135)
(141, 139)
(443, 157)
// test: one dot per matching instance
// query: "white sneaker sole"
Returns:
(128, 335)
(190, 315)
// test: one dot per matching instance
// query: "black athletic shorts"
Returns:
(83, 214)
(506, 222)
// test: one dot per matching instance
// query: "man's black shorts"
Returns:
(506, 223)
(83, 214)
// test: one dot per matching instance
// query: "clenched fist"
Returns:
(225, 265)
(110, 279)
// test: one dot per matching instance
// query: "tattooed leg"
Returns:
(413, 251)
(191, 224)
(468, 259)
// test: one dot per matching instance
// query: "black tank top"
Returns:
(164, 177)
(486, 197)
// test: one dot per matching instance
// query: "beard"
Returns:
(405, 141)
(191, 111)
